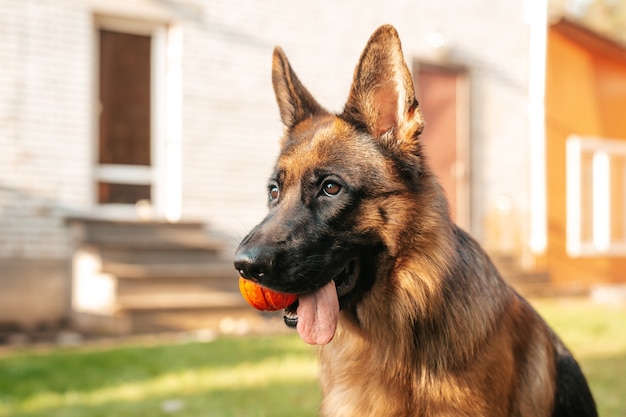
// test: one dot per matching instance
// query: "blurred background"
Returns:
(136, 137)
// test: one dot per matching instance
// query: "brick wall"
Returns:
(45, 134)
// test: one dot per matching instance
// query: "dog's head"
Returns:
(338, 191)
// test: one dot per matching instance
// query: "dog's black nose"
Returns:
(254, 263)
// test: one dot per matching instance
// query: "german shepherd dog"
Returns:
(412, 316)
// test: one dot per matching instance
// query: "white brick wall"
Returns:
(230, 121)
(44, 123)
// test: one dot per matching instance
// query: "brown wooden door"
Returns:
(440, 91)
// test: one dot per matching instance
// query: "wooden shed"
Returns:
(585, 156)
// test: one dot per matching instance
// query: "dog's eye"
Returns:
(274, 192)
(331, 188)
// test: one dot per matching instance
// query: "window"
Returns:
(596, 196)
(138, 92)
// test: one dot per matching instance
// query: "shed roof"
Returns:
(589, 39)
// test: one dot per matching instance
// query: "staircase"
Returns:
(526, 283)
(133, 277)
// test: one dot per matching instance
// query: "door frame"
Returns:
(164, 175)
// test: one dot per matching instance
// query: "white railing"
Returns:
(596, 196)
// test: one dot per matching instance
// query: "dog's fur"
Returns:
(427, 327)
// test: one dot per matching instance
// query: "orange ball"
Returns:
(263, 298)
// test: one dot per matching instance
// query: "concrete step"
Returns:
(135, 234)
(150, 255)
(156, 321)
(146, 321)
(159, 275)
(166, 292)
(534, 289)
(529, 284)
(122, 270)
(544, 290)
(179, 301)
(178, 285)
(516, 276)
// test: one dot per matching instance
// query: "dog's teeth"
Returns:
(291, 319)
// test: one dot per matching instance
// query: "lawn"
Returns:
(254, 376)
(596, 335)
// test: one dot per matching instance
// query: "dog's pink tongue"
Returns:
(318, 314)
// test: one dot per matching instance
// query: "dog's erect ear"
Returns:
(294, 100)
(382, 98)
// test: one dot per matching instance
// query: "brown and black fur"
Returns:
(430, 329)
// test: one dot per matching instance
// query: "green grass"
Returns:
(596, 335)
(228, 377)
(255, 376)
